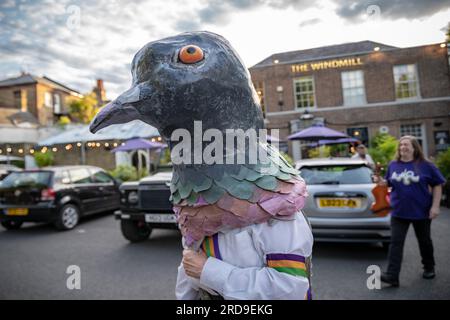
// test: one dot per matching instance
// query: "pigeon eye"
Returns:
(190, 54)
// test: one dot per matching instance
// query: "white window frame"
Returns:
(48, 99)
(416, 75)
(348, 102)
(422, 137)
(295, 81)
(57, 103)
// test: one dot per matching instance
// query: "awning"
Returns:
(138, 143)
(133, 129)
(317, 132)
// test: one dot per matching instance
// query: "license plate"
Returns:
(339, 203)
(17, 212)
(160, 218)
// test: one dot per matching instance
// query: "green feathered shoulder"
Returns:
(239, 180)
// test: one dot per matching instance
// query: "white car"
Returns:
(339, 201)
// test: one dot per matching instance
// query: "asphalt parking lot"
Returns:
(34, 262)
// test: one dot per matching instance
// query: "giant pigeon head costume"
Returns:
(198, 76)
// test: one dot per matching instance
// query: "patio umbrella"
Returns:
(337, 141)
(317, 132)
(138, 143)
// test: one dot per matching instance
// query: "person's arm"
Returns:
(263, 283)
(436, 182)
(286, 245)
(184, 290)
(378, 179)
(435, 207)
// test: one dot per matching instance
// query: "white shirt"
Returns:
(243, 271)
(368, 159)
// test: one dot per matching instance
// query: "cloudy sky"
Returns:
(77, 41)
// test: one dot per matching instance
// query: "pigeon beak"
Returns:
(121, 110)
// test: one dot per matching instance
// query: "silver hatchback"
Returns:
(339, 201)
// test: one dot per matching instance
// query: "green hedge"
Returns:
(44, 159)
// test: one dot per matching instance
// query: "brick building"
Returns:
(30, 106)
(42, 97)
(359, 88)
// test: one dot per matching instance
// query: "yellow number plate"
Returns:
(339, 203)
(17, 212)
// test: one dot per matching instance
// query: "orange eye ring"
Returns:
(190, 54)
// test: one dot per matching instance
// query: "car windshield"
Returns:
(26, 179)
(336, 174)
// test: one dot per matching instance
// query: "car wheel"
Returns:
(68, 217)
(11, 225)
(135, 231)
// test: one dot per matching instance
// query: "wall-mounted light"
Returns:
(376, 49)
(276, 61)
(443, 45)
(280, 96)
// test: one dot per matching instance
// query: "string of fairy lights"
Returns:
(67, 147)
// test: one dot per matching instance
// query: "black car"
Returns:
(58, 195)
(145, 205)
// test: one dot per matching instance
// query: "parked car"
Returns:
(12, 160)
(58, 195)
(145, 205)
(339, 201)
(6, 169)
(338, 206)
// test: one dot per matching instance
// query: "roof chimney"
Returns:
(100, 91)
(100, 85)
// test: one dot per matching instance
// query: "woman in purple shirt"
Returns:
(416, 190)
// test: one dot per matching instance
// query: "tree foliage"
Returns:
(320, 152)
(44, 159)
(125, 173)
(84, 110)
(383, 148)
(443, 163)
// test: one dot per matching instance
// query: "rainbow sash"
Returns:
(288, 263)
(210, 246)
(292, 264)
